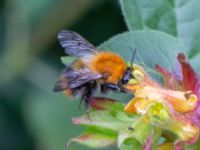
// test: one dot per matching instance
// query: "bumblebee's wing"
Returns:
(73, 79)
(75, 45)
(80, 77)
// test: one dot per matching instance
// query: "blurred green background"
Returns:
(32, 117)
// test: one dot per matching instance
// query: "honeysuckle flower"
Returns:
(173, 106)
(159, 116)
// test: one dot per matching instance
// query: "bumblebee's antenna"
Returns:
(133, 56)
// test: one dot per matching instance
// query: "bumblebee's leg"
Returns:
(80, 91)
(104, 89)
(86, 100)
(110, 86)
(81, 101)
(87, 105)
(115, 87)
(87, 93)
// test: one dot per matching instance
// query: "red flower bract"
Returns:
(190, 82)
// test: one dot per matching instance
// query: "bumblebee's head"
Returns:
(133, 74)
(127, 75)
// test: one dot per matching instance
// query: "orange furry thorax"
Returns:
(108, 63)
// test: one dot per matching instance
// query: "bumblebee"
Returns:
(92, 70)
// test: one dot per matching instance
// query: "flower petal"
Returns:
(148, 143)
(131, 107)
(191, 81)
(180, 101)
(170, 80)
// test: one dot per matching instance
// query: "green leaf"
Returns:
(130, 144)
(153, 47)
(112, 120)
(66, 60)
(103, 127)
(177, 17)
(156, 137)
(131, 14)
(139, 130)
(95, 139)
(195, 63)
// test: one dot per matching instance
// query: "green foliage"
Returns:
(95, 139)
(110, 126)
(131, 143)
(67, 60)
(179, 18)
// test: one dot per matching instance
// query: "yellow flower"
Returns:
(163, 107)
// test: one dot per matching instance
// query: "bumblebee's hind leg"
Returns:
(87, 107)
(81, 101)
(88, 92)
(86, 100)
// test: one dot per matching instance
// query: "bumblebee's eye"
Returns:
(125, 80)
(127, 76)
